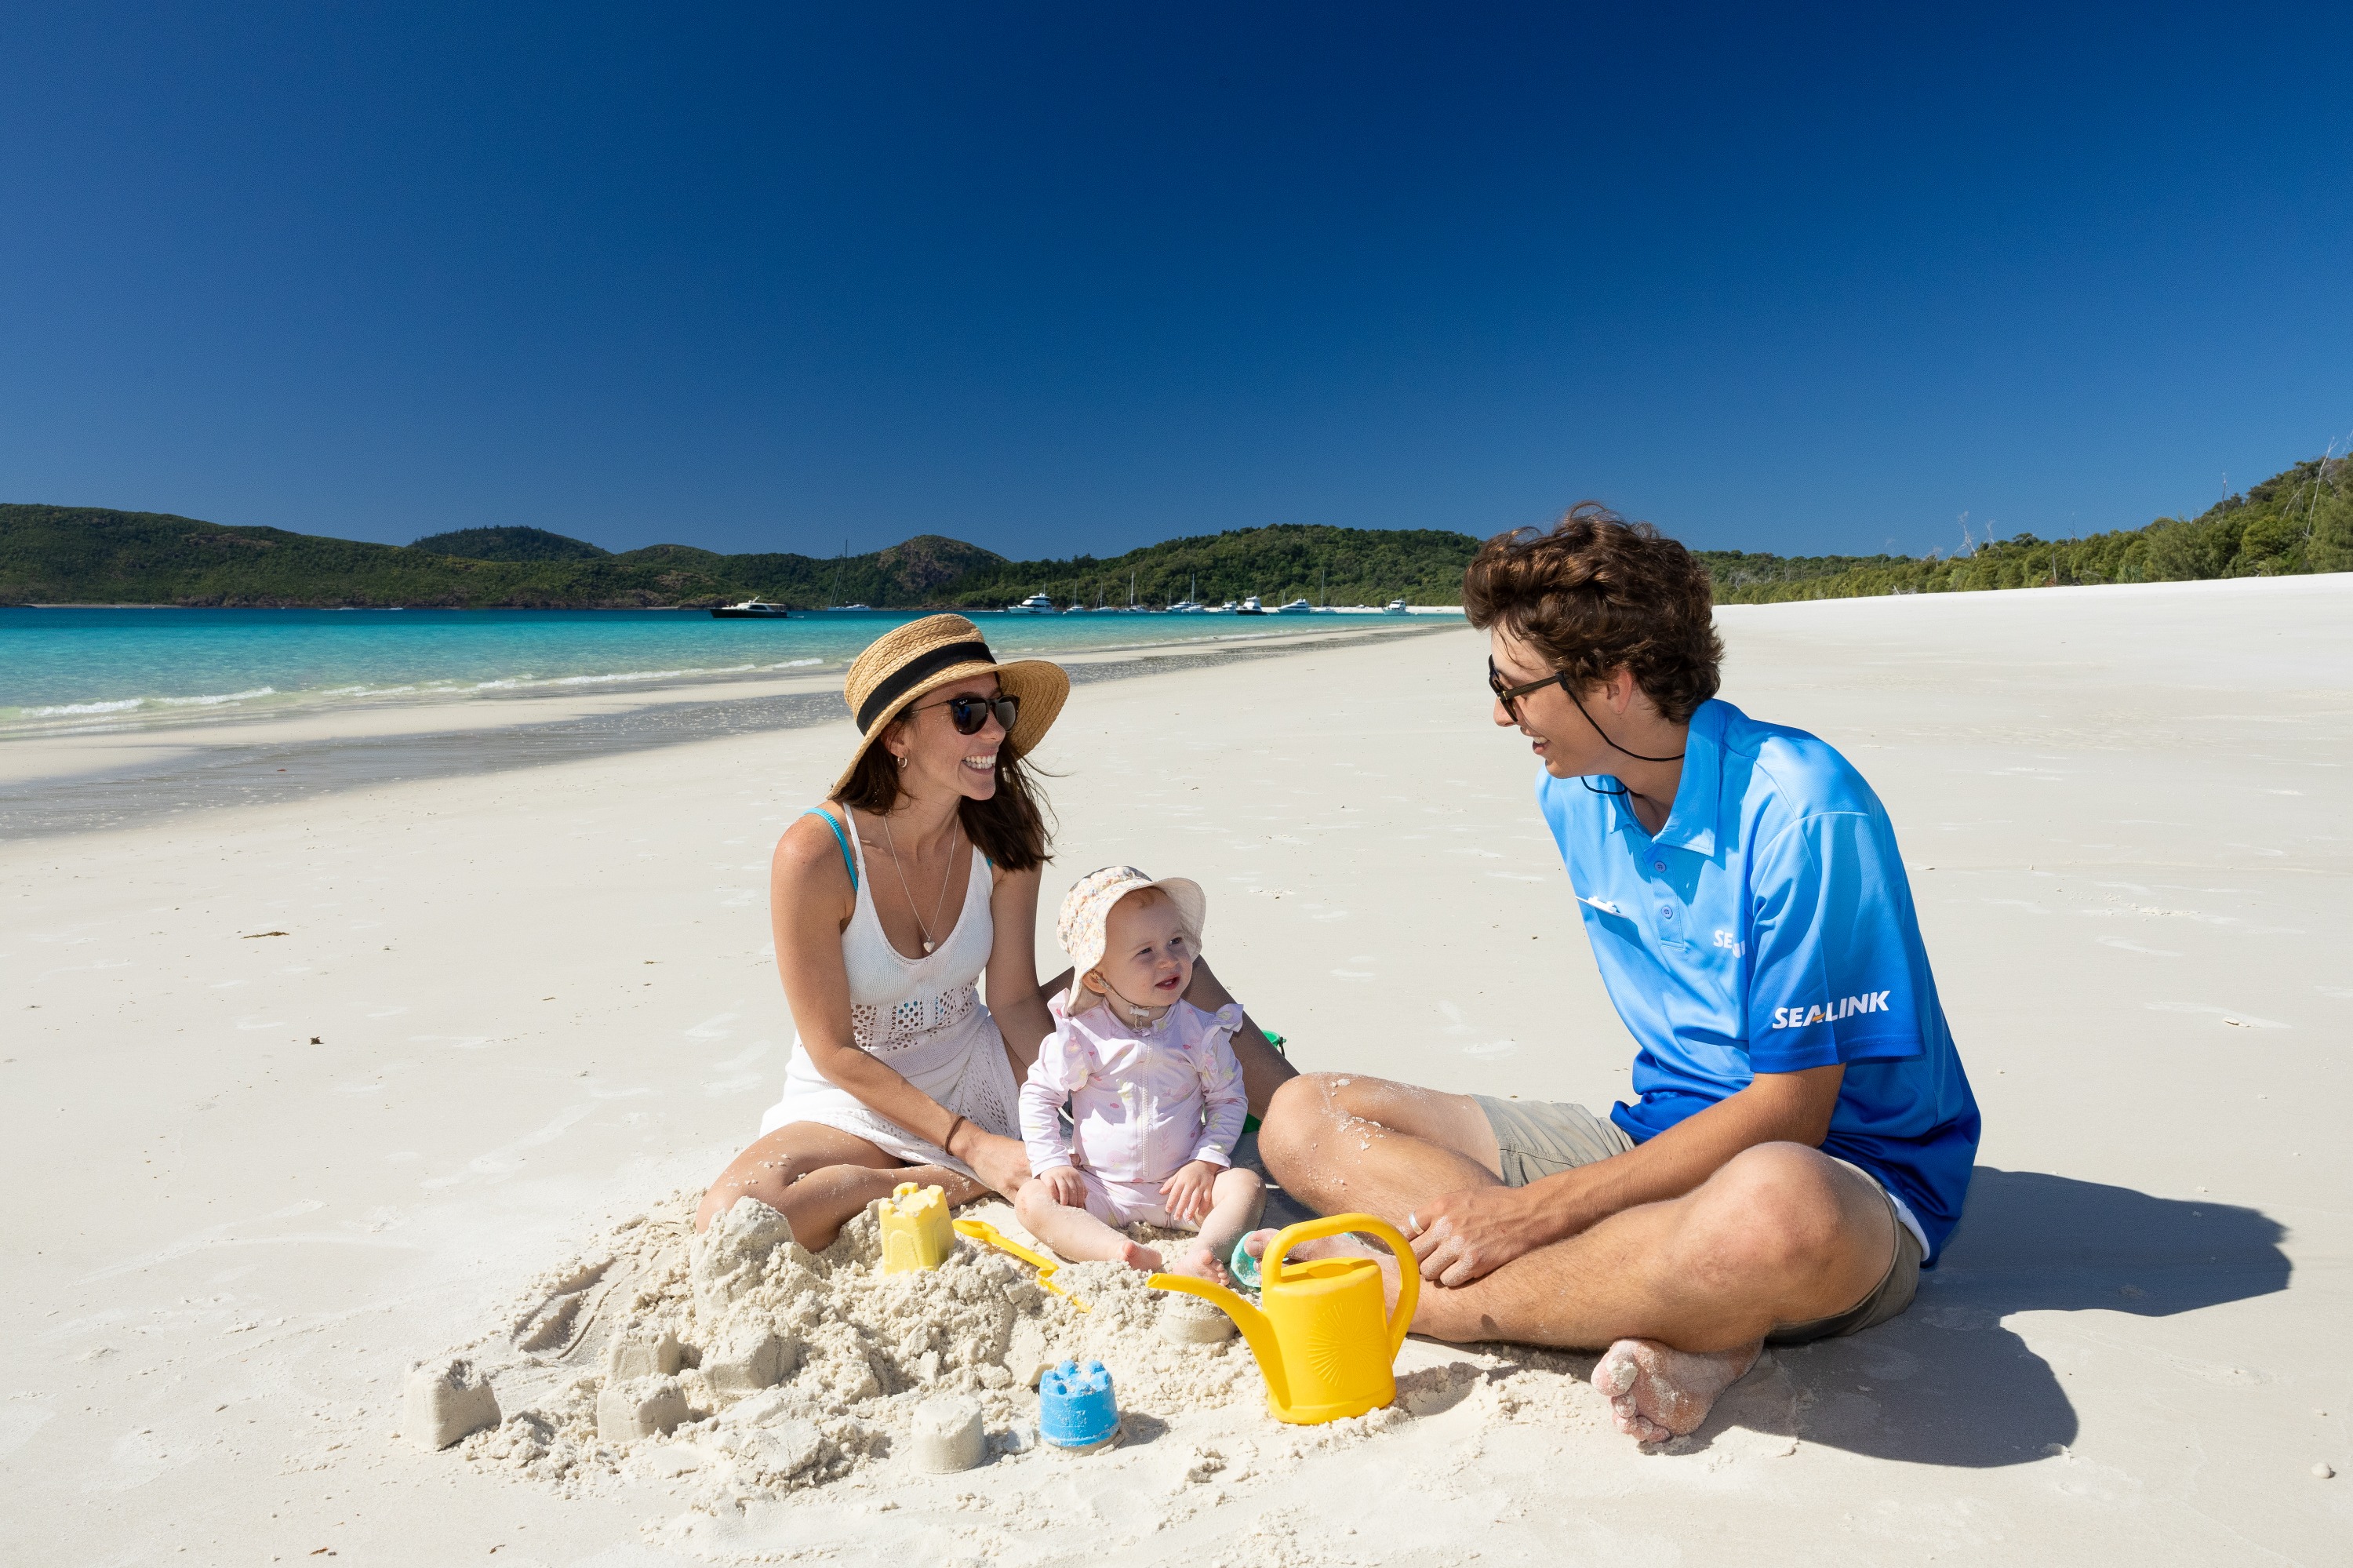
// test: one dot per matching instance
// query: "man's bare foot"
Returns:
(1657, 1393)
(1201, 1260)
(1135, 1254)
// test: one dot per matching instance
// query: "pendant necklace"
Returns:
(937, 909)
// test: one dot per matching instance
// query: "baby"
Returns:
(1155, 1094)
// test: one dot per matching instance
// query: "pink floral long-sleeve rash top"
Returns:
(1143, 1103)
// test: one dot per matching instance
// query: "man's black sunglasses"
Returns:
(1510, 695)
(970, 713)
(1510, 698)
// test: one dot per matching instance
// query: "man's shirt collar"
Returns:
(1698, 793)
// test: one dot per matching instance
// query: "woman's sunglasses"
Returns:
(970, 713)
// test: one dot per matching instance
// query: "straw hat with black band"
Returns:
(905, 662)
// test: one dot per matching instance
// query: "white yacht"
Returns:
(748, 609)
(1396, 606)
(1036, 604)
(1250, 606)
(1296, 607)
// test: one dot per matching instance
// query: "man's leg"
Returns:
(1681, 1292)
(1342, 1142)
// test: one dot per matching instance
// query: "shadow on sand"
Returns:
(1945, 1383)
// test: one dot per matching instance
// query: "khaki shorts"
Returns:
(1534, 1138)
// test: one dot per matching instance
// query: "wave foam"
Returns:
(64, 710)
(213, 702)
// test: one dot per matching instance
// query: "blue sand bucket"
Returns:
(1075, 1406)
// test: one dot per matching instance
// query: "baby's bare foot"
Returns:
(1135, 1254)
(1201, 1262)
(1657, 1393)
(1257, 1242)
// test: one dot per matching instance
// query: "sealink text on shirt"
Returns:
(1831, 1011)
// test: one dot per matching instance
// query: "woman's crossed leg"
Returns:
(818, 1177)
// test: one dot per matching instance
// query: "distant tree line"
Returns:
(2298, 521)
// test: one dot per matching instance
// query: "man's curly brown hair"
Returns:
(1597, 593)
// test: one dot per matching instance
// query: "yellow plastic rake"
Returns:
(983, 1232)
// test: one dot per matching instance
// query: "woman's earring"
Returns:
(898, 759)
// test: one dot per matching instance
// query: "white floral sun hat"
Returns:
(1086, 913)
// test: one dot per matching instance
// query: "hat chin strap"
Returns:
(1137, 1016)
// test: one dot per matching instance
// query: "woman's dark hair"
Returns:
(1010, 827)
(1597, 593)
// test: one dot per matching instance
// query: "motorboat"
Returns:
(1250, 606)
(1396, 606)
(849, 608)
(1036, 604)
(748, 609)
(1296, 607)
(1188, 607)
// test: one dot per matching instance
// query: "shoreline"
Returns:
(163, 769)
(534, 669)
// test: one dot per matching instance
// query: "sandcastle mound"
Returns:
(742, 1361)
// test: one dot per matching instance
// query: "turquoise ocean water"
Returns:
(77, 669)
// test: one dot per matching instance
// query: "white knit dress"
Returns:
(922, 1016)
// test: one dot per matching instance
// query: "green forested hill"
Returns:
(77, 555)
(1335, 565)
(2299, 521)
(65, 554)
(509, 545)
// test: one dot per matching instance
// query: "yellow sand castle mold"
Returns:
(916, 1234)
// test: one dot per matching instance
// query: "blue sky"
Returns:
(1077, 278)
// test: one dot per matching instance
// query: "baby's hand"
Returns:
(1187, 1194)
(1063, 1183)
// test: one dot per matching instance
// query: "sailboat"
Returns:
(840, 567)
(1189, 605)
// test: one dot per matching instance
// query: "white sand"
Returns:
(543, 1001)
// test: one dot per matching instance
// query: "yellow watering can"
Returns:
(1320, 1334)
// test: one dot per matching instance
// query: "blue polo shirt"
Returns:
(1769, 927)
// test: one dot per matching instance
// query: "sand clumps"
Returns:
(738, 1374)
(741, 1364)
(446, 1400)
(949, 1433)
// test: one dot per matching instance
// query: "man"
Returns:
(1803, 1133)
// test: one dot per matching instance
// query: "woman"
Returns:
(920, 873)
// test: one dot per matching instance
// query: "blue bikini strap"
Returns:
(839, 839)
